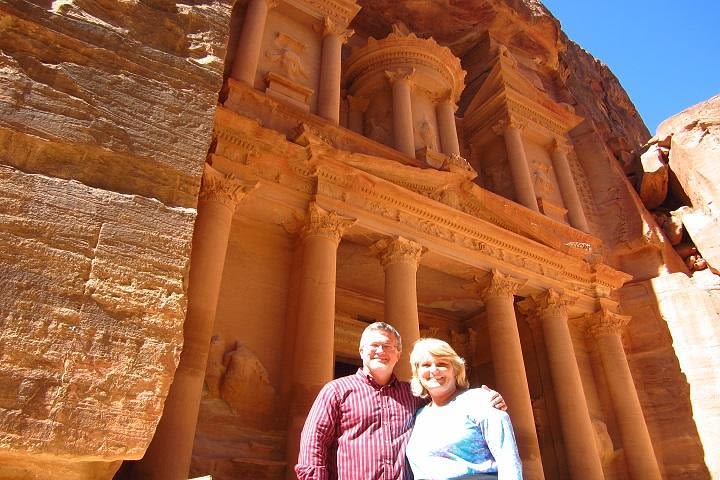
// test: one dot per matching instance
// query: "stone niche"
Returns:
(289, 67)
(402, 92)
(510, 119)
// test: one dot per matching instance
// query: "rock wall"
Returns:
(105, 121)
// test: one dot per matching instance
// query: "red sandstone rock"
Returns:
(654, 179)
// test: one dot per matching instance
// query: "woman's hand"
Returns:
(496, 400)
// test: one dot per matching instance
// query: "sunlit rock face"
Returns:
(110, 112)
(105, 121)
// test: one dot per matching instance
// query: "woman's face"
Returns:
(437, 375)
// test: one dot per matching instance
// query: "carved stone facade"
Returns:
(354, 170)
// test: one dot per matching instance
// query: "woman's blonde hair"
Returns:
(439, 349)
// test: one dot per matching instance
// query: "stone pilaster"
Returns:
(605, 328)
(517, 159)
(497, 293)
(400, 258)
(402, 82)
(247, 54)
(314, 343)
(169, 454)
(550, 309)
(568, 189)
(334, 35)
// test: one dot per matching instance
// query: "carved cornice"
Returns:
(398, 250)
(223, 189)
(498, 285)
(320, 222)
(342, 11)
(605, 322)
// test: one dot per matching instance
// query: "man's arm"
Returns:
(496, 400)
(318, 435)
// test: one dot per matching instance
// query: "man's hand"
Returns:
(496, 400)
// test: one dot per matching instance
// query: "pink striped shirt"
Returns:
(357, 430)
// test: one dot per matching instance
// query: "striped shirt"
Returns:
(358, 430)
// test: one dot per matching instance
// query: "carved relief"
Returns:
(287, 57)
(246, 385)
(426, 131)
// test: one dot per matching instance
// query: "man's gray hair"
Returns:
(382, 327)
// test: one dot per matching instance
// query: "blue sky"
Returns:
(665, 53)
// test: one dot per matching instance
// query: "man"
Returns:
(359, 425)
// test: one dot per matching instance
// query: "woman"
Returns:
(457, 435)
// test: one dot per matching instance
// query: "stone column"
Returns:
(498, 296)
(517, 159)
(334, 35)
(356, 111)
(169, 454)
(400, 258)
(247, 54)
(446, 125)
(605, 328)
(314, 355)
(401, 81)
(568, 189)
(578, 434)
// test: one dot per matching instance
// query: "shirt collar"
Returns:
(367, 378)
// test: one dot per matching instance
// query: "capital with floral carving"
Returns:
(551, 303)
(396, 250)
(335, 27)
(404, 73)
(324, 223)
(498, 285)
(605, 322)
(561, 146)
(223, 189)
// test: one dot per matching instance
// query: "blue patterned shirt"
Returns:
(464, 439)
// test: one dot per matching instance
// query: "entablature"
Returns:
(443, 211)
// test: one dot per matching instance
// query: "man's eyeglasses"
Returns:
(384, 346)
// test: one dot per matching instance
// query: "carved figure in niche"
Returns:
(246, 386)
(287, 57)
(541, 178)
(376, 128)
(427, 134)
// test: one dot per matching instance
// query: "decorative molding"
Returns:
(320, 222)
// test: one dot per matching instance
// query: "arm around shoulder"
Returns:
(317, 437)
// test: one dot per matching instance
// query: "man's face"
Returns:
(379, 352)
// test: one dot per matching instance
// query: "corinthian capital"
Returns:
(551, 302)
(560, 146)
(224, 189)
(498, 285)
(402, 73)
(320, 222)
(604, 322)
(398, 250)
(332, 26)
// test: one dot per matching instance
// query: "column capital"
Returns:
(358, 104)
(224, 189)
(395, 250)
(335, 27)
(446, 97)
(320, 222)
(498, 285)
(604, 322)
(560, 145)
(401, 73)
(548, 303)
